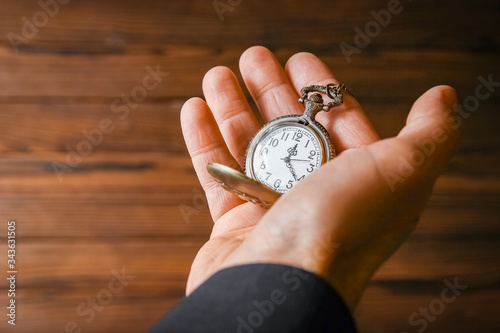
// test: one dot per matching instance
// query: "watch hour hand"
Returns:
(292, 151)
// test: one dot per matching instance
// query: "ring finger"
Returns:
(347, 124)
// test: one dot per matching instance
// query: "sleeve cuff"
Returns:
(260, 298)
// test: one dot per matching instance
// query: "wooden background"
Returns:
(134, 202)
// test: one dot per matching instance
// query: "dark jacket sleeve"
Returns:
(260, 298)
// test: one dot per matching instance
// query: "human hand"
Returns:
(345, 219)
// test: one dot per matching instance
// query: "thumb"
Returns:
(431, 128)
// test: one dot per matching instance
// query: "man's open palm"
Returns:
(346, 218)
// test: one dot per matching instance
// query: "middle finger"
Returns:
(268, 84)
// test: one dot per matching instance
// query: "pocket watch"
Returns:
(284, 151)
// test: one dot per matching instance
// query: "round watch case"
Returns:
(303, 121)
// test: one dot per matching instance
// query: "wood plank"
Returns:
(427, 259)
(388, 75)
(39, 127)
(129, 218)
(63, 273)
(158, 211)
(133, 194)
(155, 126)
(111, 26)
(54, 261)
(385, 309)
(121, 206)
(381, 310)
(123, 314)
(97, 170)
(59, 275)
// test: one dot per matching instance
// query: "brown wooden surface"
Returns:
(121, 208)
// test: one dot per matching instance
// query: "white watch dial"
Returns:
(286, 155)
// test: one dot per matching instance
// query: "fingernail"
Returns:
(449, 97)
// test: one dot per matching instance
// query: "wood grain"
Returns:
(134, 202)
